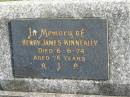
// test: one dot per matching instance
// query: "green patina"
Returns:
(7, 0)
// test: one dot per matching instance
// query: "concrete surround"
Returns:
(118, 15)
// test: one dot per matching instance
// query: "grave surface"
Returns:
(118, 18)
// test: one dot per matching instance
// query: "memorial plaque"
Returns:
(60, 48)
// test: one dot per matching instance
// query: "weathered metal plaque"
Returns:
(60, 48)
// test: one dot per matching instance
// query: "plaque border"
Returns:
(51, 18)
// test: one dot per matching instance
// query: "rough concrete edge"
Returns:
(106, 88)
(34, 94)
(58, 1)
